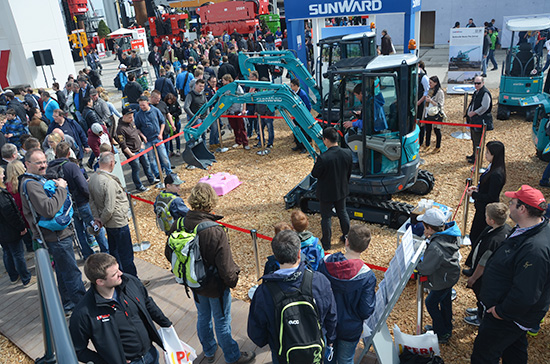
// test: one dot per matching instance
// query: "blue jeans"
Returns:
(252, 126)
(163, 157)
(270, 130)
(214, 133)
(344, 351)
(491, 57)
(146, 169)
(82, 219)
(439, 306)
(69, 278)
(211, 307)
(484, 64)
(151, 357)
(14, 261)
(120, 247)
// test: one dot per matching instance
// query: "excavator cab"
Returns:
(377, 99)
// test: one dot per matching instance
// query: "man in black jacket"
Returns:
(117, 315)
(516, 283)
(154, 60)
(479, 112)
(133, 91)
(227, 69)
(89, 114)
(332, 170)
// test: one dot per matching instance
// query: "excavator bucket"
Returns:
(197, 154)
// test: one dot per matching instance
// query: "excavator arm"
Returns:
(286, 59)
(276, 97)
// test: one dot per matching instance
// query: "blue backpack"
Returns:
(63, 217)
(312, 252)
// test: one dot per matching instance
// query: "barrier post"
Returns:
(465, 217)
(140, 245)
(476, 166)
(161, 184)
(254, 234)
(419, 304)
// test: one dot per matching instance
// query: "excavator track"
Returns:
(372, 209)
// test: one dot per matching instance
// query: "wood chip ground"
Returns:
(258, 204)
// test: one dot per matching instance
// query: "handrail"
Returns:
(58, 344)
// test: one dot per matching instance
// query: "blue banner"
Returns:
(308, 9)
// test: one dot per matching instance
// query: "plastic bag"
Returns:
(175, 350)
(425, 344)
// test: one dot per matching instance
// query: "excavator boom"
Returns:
(276, 97)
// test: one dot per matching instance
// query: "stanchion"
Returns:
(254, 234)
(141, 245)
(476, 166)
(419, 305)
(466, 238)
(161, 184)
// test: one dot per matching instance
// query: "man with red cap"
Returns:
(516, 282)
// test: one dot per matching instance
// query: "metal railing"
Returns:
(58, 345)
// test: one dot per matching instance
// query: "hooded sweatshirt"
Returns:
(353, 285)
(441, 261)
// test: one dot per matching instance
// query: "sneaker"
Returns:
(494, 68)
(444, 339)
(296, 148)
(468, 272)
(428, 328)
(16, 281)
(235, 145)
(247, 147)
(177, 154)
(535, 331)
(544, 183)
(436, 150)
(211, 359)
(269, 146)
(155, 181)
(483, 75)
(472, 320)
(222, 150)
(89, 165)
(246, 357)
(30, 282)
(453, 294)
(471, 311)
(142, 189)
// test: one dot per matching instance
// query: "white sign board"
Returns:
(465, 56)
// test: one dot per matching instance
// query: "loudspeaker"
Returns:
(43, 58)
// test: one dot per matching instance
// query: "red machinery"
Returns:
(231, 15)
(171, 25)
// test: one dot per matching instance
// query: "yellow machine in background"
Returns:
(78, 40)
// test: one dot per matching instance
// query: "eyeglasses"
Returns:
(40, 163)
(477, 83)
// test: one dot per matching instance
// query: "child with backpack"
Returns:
(169, 206)
(441, 264)
(353, 285)
(312, 251)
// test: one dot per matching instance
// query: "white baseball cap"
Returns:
(434, 217)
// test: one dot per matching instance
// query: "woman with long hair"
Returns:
(435, 98)
(488, 190)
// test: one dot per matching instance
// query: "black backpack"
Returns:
(117, 83)
(299, 336)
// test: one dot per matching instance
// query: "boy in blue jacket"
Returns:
(353, 285)
(441, 264)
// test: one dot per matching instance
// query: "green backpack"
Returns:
(162, 211)
(185, 258)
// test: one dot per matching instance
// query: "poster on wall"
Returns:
(465, 57)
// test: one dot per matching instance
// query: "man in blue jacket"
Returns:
(516, 283)
(353, 285)
(71, 128)
(262, 328)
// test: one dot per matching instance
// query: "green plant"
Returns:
(102, 29)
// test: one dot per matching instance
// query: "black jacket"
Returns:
(333, 170)
(90, 116)
(78, 186)
(11, 221)
(165, 86)
(133, 91)
(490, 186)
(91, 320)
(227, 69)
(489, 240)
(516, 279)
(81, 95)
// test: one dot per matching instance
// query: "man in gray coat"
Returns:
(110, 207)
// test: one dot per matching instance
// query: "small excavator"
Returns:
(386, 146)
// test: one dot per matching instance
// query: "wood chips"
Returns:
(258, 204)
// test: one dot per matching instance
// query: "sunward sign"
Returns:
(295, 10)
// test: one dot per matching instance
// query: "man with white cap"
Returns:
(516, 282)
(121, 78)
(441, 264)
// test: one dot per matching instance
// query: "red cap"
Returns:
(528, 195)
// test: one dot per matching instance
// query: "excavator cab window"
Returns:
(369, 102)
